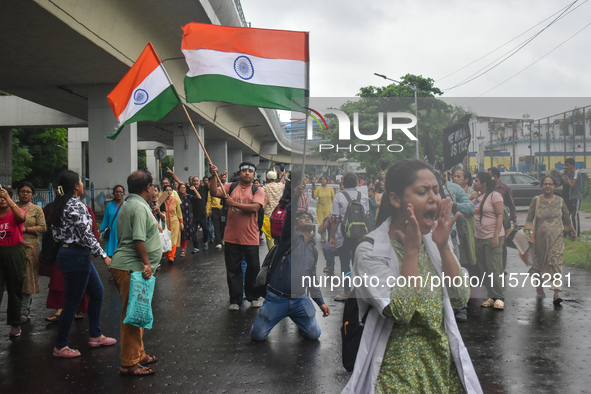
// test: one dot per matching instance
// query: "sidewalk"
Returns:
(529, 347)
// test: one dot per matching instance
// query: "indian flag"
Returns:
(255, 67)
(144, 94)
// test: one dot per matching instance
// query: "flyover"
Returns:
(68, 55)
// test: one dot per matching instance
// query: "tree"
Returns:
(39, 155)
(433, 116)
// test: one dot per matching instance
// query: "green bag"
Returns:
(139, 303)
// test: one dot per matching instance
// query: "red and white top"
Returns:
(11, 231)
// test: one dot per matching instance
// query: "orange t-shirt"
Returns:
(242, 227)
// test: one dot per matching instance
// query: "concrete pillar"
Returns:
(188, 154)
(152, 165)
(5, 156)
(77, 140)
(234, 159)
(218, 153)
(111, 162)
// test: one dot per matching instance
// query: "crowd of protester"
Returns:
(418, 221)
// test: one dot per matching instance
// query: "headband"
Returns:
(247, 167)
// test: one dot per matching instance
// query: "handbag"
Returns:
(139, 303)
(107, 232)
(166, 238)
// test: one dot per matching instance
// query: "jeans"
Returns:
(234, 254)
(80, 276)
(201, 219)
(329, 254)
(300, 310)
(345, 252)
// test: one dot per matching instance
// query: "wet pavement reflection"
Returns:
(530, 347)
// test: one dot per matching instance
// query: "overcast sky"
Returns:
(352, 39)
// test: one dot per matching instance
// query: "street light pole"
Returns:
(416, 107)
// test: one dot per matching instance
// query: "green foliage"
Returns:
(433, 116)
(21, 160)
(47, 155)
(578, 253)
(141, 160)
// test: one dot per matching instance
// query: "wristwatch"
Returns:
(104, 255)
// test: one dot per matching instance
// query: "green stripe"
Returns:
(222, 88)
(154, 110)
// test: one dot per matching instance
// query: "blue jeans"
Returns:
(80, 276)
(329, 254)
(300, 310)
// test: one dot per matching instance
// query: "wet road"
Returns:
(531, 347)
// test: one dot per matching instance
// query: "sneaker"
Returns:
(256, 303)
(205, 246)
(218, 246)
(234, 307)
(15, 331)
(461, 315)
(195, 250)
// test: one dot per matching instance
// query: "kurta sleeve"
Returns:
(39, 219)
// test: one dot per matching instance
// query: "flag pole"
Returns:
(202, 146)
(192, 125)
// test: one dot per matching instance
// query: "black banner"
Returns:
(456, 142)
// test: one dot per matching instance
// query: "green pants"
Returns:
(13, 265)
(490, 261)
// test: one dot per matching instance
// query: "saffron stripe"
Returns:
(266, 43)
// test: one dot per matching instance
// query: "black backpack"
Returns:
(354, 225)
(260, 213)
(352, 328)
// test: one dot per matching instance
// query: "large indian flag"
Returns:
(144, 94)
(256, 67)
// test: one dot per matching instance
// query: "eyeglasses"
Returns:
(547, 184)
(25, 192)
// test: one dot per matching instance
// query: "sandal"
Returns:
(149, 359)
(183, 252)
(102, 341)
(499, 304)
(78, 316)
(65, 352)
(557, 300)
(136, 370)
(488, 303)
(53, 319)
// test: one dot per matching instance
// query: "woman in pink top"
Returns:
(490, 236)
(13, 260)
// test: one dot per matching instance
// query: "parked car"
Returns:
(524, 187)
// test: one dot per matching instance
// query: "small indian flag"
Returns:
(144, 94)
(255, 67)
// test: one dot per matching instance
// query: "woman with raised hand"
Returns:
(490, 236)
(12, 257)
(410, 341)
(71, 225)
(547, 218)
(33, 227)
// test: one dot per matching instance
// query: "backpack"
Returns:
(277, 219)
(260, 213)
(354, 225)
(506, 218)
(352, 327)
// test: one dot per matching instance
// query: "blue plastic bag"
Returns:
(139, 304)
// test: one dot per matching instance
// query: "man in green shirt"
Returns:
(140, 249)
